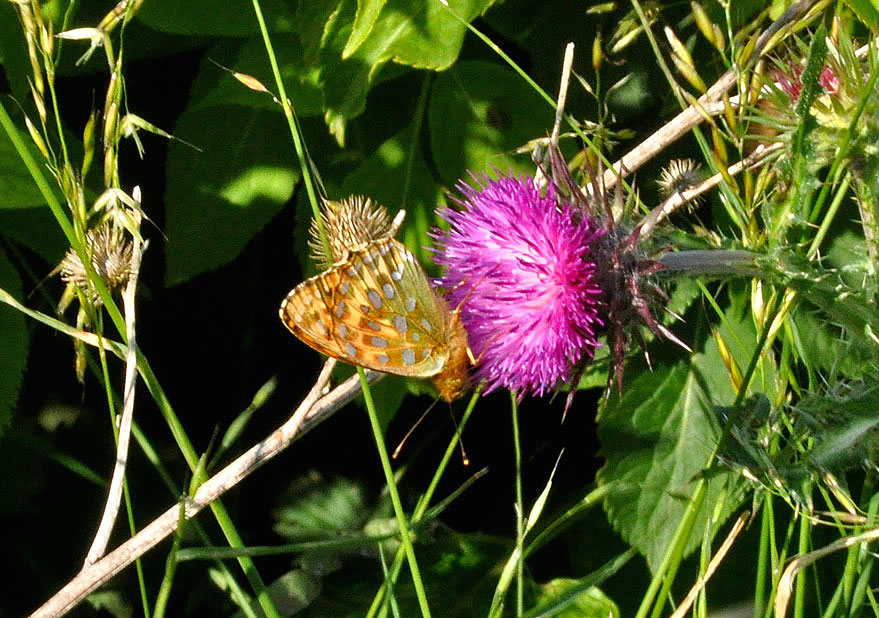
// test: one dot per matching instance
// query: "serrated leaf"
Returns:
(479, 113)
(313, 505)
(217, 199)
(417, 33)
(367, 14)
(16, 340)
(657, 440)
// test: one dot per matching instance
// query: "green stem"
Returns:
(665, 572)
(802, 549)
(520, 512)
(424, 501)
(170, 567)
(405, 538)
(762, 558)
(292, 124)
(111, 406)
(73, 239)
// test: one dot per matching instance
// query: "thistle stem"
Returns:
(711, 262)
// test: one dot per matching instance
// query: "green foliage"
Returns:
(658, 440)
(13, 352)
(589, 603)
(773, 410)
(219, 196)
(478, 115)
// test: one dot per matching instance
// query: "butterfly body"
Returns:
(376, 309)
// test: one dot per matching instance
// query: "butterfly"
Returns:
(376, 309)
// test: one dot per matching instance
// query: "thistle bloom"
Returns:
(518, 265)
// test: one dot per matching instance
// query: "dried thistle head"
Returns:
(350, 224)
(111, 255)
(678, 176)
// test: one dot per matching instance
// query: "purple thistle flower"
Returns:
(518, 265)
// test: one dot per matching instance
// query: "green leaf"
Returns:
(418, 33)
(214, 86)
(479, 113)
(36, 229)
(16, 340)
(313, 505)
(219, 198)
(17, 187)
(367, 12)
(657, 440)
(214, 17)
(588, 603)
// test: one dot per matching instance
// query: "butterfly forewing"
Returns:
(376, 310)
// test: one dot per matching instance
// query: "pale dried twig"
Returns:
(680, 198)
(718, 557)
(707, 104)
(313, 410)
(114, 495)
(786, 583)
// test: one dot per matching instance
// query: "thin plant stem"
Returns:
(665, 572)
(861, 557)
(392, 600)
(310, 412)
(425, 500)
(828, 218)
(802, 549)
(590, 500)
(153, 458)
(123, 434)
(519, 507)
(75, 240)
(219, 511)
(292, 124)
(170, 568)
(762, 557)
(138, 564)
(405, 538)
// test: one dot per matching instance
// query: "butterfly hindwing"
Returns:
(376, 309)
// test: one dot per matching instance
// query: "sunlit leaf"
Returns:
(657, 440)
(217, 199)
(480, 112)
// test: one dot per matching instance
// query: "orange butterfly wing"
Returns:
(376, 309)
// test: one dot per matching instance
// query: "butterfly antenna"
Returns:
(464, 459)
(43, 281)
(399, 448)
